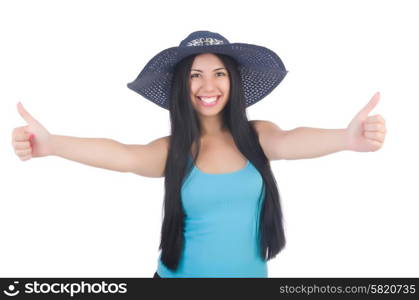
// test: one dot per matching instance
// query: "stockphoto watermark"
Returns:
(71, 289)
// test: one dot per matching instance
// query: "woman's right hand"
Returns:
(32, 140)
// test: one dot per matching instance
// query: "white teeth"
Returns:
(208, 99)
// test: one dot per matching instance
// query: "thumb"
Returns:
(25, 115)
(363, 114)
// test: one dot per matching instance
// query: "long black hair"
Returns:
(185, 132)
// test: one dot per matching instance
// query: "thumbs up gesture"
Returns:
(32, 140)
(367, 133)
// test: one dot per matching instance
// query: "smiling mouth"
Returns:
(209, 101)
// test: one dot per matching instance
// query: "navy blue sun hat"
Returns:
(261, 69)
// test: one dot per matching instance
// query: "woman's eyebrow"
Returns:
(201, 70)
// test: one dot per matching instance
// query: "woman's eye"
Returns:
(193, 75)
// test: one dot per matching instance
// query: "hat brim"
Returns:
(260, 68)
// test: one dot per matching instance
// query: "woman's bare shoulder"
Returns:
(162, 142)
(149, 160)
(261, 125)
(271, 138)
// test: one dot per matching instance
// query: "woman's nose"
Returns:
(208, 84)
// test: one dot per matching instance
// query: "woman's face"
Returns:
(209, 84)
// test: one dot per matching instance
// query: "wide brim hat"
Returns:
(261, 70)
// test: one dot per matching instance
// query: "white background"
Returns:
(346, 214)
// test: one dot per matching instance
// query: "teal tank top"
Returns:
(221, 222)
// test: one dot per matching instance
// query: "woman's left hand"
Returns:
(367, 133)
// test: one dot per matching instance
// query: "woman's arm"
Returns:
(96, 152)
(299, 143)
(363, 134)
(146, 160)
(307, 142)
(34, 140)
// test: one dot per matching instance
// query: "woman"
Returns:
(222, 212)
